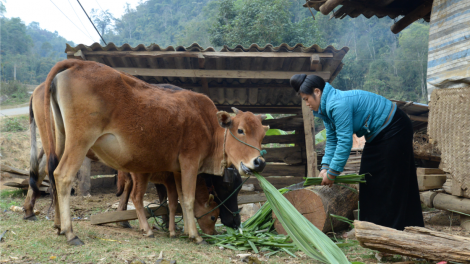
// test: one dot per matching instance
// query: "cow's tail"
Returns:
(52, 159)
(33, 160)
(123, 178)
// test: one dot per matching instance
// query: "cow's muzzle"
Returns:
(259, 164)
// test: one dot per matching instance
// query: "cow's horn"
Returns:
(235, 110)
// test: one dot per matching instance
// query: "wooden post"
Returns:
(83, 178)
(309, 128)
(14, 72)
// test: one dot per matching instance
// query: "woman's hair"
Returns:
(303, 83)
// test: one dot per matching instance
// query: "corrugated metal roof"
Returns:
(369, 8)
(412, 10)
(245, 76)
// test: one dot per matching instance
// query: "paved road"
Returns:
(15, 111)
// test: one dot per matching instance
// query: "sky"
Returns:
(78, 29)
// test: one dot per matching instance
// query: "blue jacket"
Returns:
(348, 112)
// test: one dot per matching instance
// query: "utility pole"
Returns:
(14, 72)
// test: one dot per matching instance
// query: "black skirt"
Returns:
(391, 196)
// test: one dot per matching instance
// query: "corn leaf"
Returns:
(304, 234)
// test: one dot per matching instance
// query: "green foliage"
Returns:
(14, 124)
(14, 89)
(253, 21)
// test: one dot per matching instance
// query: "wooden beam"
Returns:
(415, 241)
(253, 198)
(283, 139)
(309, 130)
(262, 109)
(278, 182)
(427, 198)
(119, 216)
(329, 5)
(427, 157)
(411, 17)
(282, 169)
(427, 171)
(419, 118)
(83, 178)
(315, 64)
(201, 73)
(208, 54)
(449, 202)
(290, 155)
(286, 123)
(431, 181)
(98, 168)
(79, 55)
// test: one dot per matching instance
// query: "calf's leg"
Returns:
(140, 181)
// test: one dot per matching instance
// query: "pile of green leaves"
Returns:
(258, 241)
(255, 233)
(304, 234)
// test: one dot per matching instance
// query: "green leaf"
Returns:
(253, 247)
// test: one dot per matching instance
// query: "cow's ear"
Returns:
(211, 198)
(262, 117)
(224, 118)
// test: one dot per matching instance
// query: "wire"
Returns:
(91, 22)
(70, 20)
(79, 19)
(99, 6)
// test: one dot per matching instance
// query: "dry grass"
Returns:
(38, 242)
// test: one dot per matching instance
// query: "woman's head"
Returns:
(310, 88)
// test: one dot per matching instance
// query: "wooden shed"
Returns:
(251, 78)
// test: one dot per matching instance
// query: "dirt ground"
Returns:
(36, 242)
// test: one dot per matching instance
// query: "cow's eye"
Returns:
(240, 131)
(213, 218)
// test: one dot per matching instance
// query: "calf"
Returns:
(203, 205)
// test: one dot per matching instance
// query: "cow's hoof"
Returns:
(203, 242)
(172, 236)
(31, 218)
(75, 242)
(56, 226)
(61, 233)
(124, 224)
(149, 236)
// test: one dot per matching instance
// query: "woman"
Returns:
(391, 196)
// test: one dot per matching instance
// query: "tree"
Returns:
(102, 19)
(2, 8)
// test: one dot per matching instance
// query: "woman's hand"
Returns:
(326, 181)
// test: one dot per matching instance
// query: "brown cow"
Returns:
(129, 125)
(203, 203)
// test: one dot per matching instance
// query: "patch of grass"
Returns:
(15, 124)
(12, 193)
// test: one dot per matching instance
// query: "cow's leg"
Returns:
(64, 175)
(30, 201)
(60, 148)
(140, 181)
(188, 183)
(172, 204)
(125, 199)
(177, 177)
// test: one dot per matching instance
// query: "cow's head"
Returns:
(243, 140)
(209, 214)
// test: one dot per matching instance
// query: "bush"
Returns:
(14, 89)
(13, 125)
